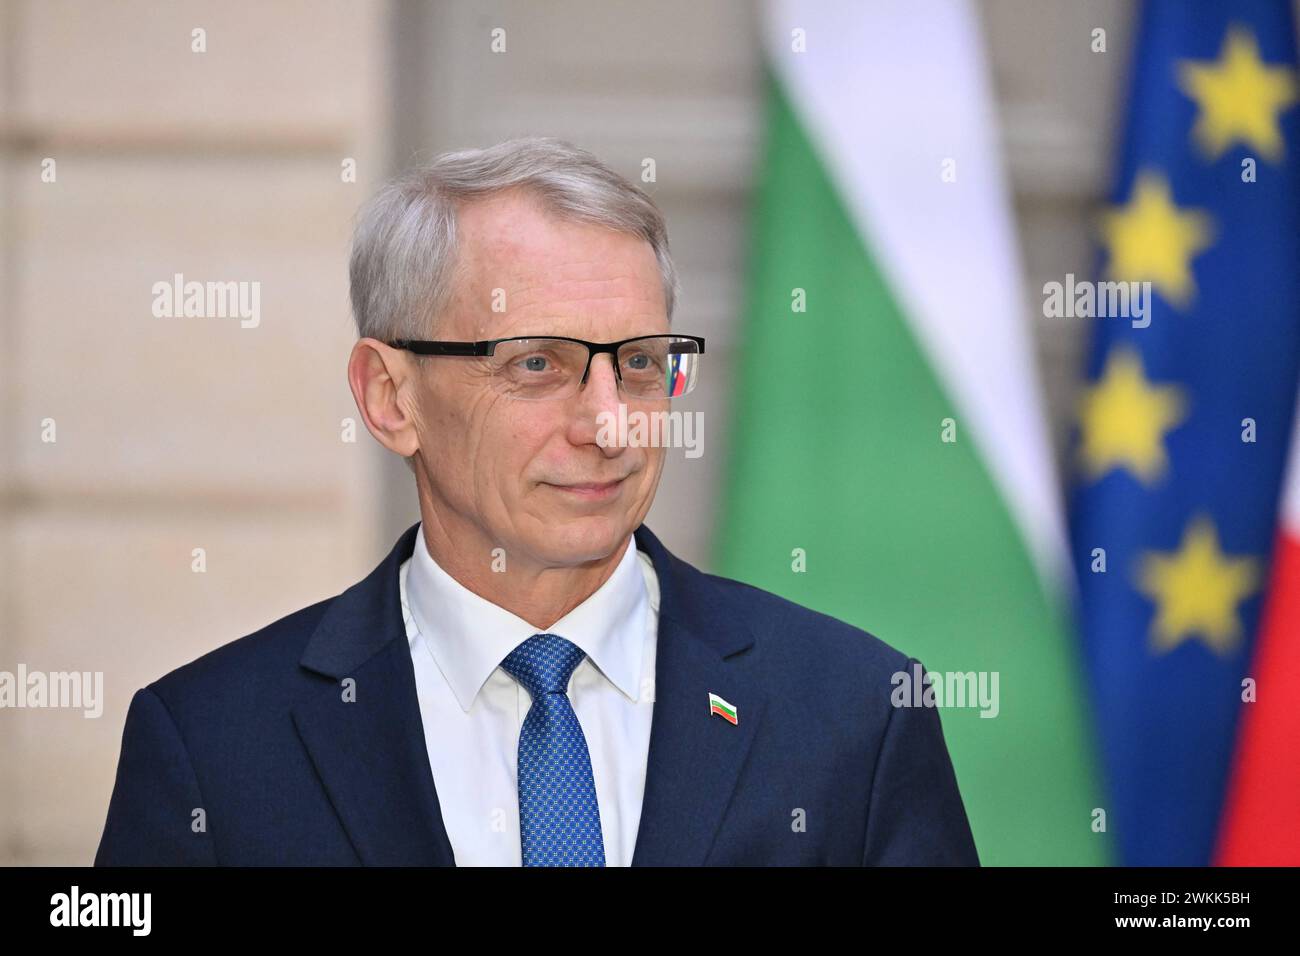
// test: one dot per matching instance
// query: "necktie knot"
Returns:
(543, 664)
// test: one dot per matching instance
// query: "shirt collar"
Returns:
(469, 636)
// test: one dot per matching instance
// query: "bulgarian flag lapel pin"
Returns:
(720, 707)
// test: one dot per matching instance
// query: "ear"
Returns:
(377, 375)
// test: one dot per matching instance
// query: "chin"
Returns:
(572, 541)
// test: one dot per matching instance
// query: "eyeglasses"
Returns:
(538, 368)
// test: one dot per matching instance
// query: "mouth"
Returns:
(591, 491)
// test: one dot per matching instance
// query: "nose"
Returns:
(601, 386)
(600, 394)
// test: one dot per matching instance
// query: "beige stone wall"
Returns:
(171, 433)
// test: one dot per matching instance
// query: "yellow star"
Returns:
(1123, 419)
(1238, 97)
(1151, 239)
(1197, 589)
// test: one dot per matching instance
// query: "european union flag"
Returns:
(1185, 415)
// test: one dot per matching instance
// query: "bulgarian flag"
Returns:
(1261, 817)
(720, 707)
(890, 465)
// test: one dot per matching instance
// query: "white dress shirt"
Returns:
(473, 710)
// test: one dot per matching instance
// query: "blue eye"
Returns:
(535, 363)
(642, 362)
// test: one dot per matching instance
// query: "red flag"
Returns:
(1261, 816)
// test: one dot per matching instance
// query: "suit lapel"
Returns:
(695, 757)
(370, 752)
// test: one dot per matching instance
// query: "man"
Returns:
(530, 676)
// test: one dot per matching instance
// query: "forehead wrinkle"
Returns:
(525, 281)
(632, 282)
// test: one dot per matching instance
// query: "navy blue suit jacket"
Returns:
(256, 743)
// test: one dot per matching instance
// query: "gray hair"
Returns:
(404, 248)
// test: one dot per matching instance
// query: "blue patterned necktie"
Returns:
(559, 819)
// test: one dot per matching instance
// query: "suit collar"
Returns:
(469, 636)
(369, 748)
(361, 620)
(347, 635)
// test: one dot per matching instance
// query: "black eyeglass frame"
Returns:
(488, 347)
